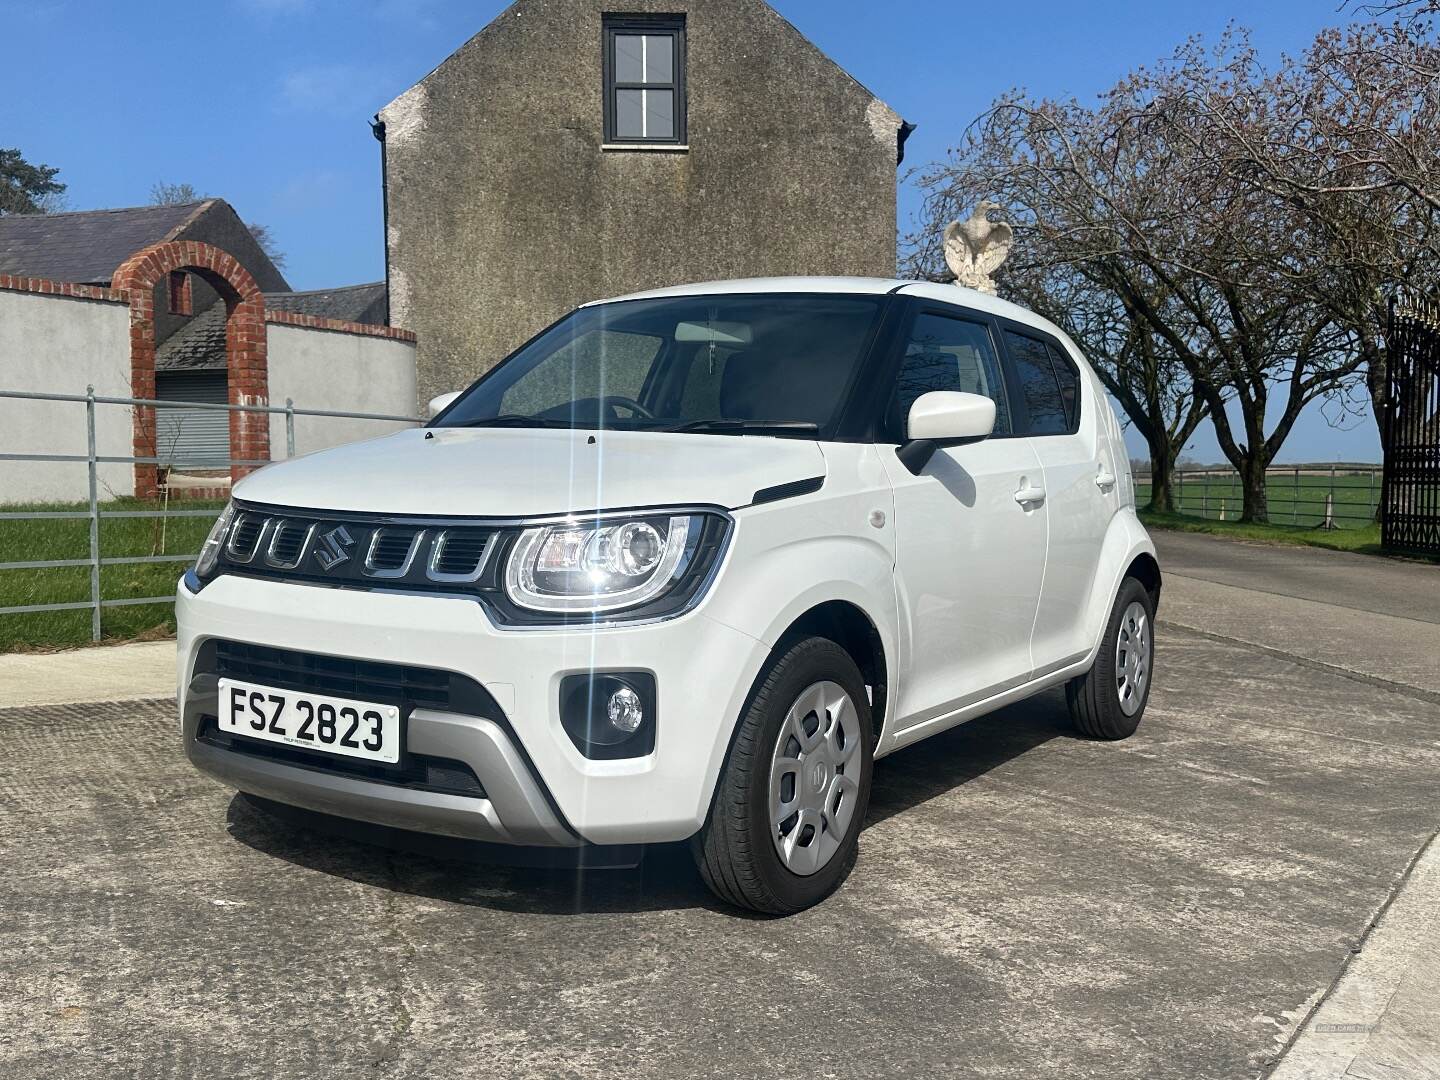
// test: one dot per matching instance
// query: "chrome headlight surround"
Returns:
(209, 556)
(613, 566)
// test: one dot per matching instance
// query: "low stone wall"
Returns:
(57, 338)
(320, 364)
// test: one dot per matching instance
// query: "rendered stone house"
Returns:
(574, 150)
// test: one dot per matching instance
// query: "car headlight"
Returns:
(210, 550)
(610, 564)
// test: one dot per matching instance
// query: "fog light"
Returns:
(609, 715)
(625, 711)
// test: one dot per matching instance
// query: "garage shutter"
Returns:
(193, 439)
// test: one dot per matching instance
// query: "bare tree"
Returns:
(1351, 146)
(163, 193)
(166, 194)
(1216, 275)
(1407, 11)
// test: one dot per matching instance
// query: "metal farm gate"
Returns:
(1410, 501)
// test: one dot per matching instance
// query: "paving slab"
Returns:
(1382, 1018)
(102, 673)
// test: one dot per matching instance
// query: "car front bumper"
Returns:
(538, 788)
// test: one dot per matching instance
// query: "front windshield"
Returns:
(774, 364)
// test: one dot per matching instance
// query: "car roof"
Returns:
(852, 286)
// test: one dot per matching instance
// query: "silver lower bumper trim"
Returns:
(515, 810)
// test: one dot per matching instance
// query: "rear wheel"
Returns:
(1108, 701)
(783, 829)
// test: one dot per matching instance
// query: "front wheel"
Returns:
(783, 830)
(1108, 701)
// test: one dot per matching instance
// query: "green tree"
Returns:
(27, 188)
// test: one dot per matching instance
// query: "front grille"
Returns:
(459, 555)
(287, 543)
(245, 535)
(351, 551)
(402, 685)
(391, 549)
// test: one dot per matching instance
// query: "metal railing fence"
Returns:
(94, 514)
(1318, 496)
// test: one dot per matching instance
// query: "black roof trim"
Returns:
(906, 130)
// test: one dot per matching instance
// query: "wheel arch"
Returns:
(1145, 569)
(1127, 551)
(853, 630)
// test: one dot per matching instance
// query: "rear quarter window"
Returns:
(1048, 383)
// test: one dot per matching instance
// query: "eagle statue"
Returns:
(974, 249)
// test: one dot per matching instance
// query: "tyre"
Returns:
(784, 826)
(1108, 701)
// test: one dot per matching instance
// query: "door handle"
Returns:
(1104, 479)
(1029, 493)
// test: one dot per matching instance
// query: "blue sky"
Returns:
(267, 102)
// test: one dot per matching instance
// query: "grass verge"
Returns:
(45, 540)
(1365, 541)
(33, 541)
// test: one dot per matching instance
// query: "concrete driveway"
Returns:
(1026, 903)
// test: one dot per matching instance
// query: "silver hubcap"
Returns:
(815, 778)
(1132, 658)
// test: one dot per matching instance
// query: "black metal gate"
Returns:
(1410, 503)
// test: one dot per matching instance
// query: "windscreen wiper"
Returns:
(776, 427)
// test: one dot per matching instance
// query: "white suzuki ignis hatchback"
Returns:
(681, 568)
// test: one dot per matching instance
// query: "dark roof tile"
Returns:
(350, 303)
(199, 345)
(85, 245)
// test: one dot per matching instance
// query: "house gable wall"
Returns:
(504, 211)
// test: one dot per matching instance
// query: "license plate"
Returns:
(358, 729)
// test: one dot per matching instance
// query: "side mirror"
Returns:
(443, 402)
(944, 416)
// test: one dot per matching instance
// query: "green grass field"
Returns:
(1365, 540)
(35, 541)
(1294, 500)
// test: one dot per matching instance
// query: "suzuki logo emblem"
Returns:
(819, 775)
(331, 548)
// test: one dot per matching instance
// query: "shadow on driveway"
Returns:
(465, 872)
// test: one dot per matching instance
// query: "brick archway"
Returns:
(245, 359)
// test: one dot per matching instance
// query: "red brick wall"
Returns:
(182, 300)
(340, 326)
(46, 287)
(244, 346)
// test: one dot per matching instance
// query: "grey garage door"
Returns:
(193, 438)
